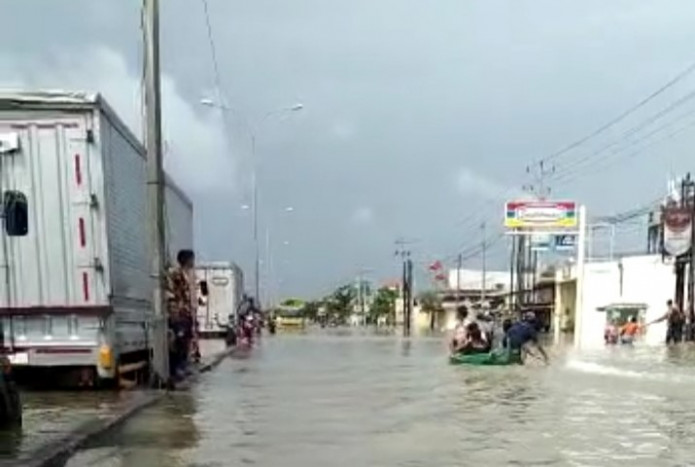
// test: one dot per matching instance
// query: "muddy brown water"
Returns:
(361, 400)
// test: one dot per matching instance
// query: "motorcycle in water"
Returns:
(247, 331)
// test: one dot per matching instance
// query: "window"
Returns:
(204, 288)
(15, 214)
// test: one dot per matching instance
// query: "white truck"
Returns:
(220, 291)
(75, 282)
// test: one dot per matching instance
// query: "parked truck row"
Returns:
(75, 285)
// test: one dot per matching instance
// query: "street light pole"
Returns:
(253, 131)
(254, 214)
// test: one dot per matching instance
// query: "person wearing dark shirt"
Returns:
(675, 321)
(520, 336)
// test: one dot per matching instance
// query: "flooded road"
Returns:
(360, 400)
(48, 416)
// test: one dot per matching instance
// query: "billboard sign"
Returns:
(540, 215)
(565, 242)
(677, 230)
(540, 242)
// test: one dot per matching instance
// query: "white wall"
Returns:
(646, 279)
(472, 279)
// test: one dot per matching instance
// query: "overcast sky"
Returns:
(420, 116)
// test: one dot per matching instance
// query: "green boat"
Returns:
(494, 358)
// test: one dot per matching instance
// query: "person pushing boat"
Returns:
(522, 335)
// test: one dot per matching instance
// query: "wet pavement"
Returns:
(360, 400)
(50, 416)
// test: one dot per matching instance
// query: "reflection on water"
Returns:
(361, 400)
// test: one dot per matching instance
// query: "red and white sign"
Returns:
(677, 230)
(540, 214)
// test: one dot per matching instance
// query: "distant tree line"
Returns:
(338, 306)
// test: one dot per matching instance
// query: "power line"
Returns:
(680, 76)
(689, 69)
(578, 165)
(213, 52)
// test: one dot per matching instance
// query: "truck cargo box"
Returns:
(221, 287)
(74, 268)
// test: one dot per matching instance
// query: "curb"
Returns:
(57, 453)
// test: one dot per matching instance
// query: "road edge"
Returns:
(57, 453)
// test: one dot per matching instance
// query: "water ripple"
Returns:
(360, 400)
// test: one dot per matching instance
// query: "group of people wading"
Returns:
(478, 335)
(626, 333)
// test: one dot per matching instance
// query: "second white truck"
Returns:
(220, 290)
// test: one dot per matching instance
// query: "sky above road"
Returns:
(420, 117)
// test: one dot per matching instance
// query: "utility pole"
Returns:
(459, 266)
(538, 186)
(254, 206)
(512, 265)
(690, 197)
(409, 308)
(404, 254)
(155, 186)
(540, 190)
(484, 279)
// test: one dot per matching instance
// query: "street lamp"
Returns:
(254, 130)
(270, 263)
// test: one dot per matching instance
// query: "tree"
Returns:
(384, 304)
(432, 304)
(340, 303)
(293, 302)
(310, 310)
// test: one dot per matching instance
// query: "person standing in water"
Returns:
(675, 320)
(611, 333)
(459, 338)
(629, 331)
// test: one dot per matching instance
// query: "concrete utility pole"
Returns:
(512, 266)
(539, 175)
(526, 257)
(155, 186)
(581, 259)
(484, 279)
(459, 266)
(404, 254)
(689, 190)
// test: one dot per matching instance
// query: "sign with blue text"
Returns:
(565, 242)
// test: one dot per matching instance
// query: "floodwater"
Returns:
(48, 417)
(363, 400)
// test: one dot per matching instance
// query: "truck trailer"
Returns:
(220, 291)
(75, 276)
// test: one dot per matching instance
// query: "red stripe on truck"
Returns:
(83, 233)
(78, 170)
(85, 286)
